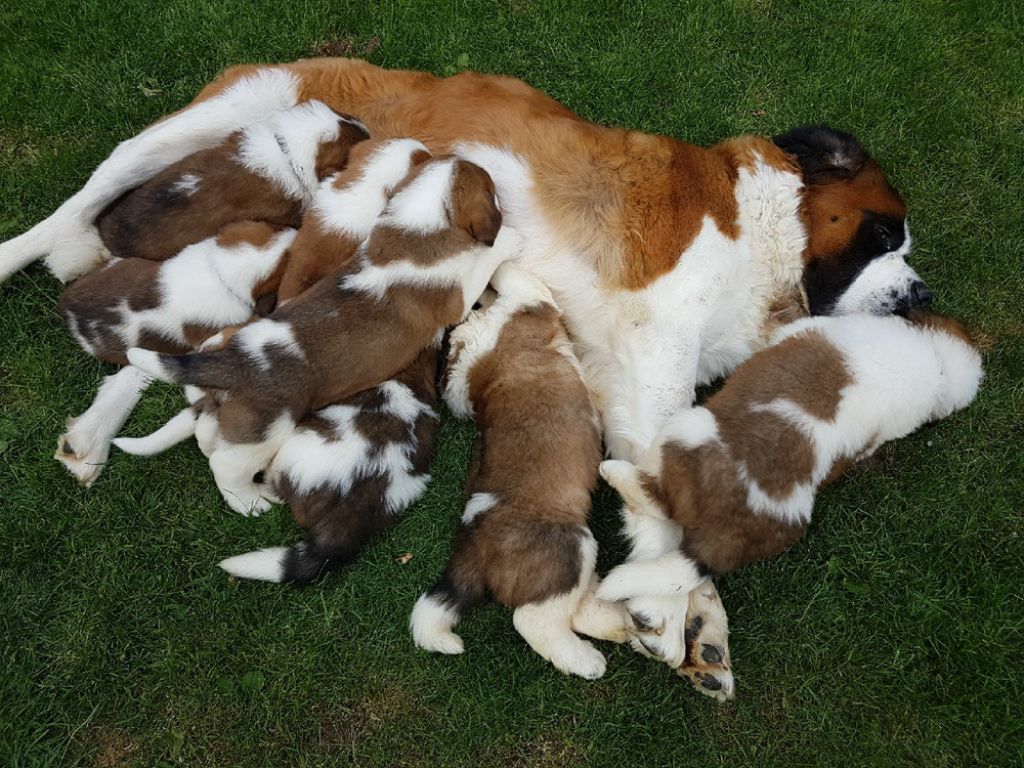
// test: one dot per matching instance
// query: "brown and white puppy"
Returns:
(523, 537)
(266, 172)
(168, 306)
(427, 260)
(347, 472)
(344, 210)
(737, 478)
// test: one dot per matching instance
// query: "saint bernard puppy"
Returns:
(671, 263)
(739, 474)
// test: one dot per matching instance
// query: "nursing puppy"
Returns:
(169, 306)
(267, 172)
(427, 260)
(739, 475)
(347, 472)
(344, 210)
(523, 536)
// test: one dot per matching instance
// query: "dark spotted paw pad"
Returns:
(66, 448)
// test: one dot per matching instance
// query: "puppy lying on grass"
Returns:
(523, 537)
(426, 261)
(347, 472)
(737, 477)
(170, 306)
(266, 172)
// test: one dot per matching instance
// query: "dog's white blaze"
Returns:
(881, 284)
(69, 235)
(352, 210)
(431, 624)
(263, 564)
(283, 148)
(256, 337)
(478, 504)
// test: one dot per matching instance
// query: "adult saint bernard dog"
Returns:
(672, 263)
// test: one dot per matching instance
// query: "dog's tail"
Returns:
(180, 427)
(440, 608)
(217, 369)
(301, 564)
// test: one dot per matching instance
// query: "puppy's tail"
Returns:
(300, 564)
(217, 369)
(440, 609)
(182, 426)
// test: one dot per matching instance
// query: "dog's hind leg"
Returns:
(85, 445)
(69, 234)
(547, 626)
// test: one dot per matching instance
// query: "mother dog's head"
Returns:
(857, 226)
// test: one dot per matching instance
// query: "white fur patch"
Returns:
(283, 148)
(423, 204)
(256, 337)
(478, 504)
(187, 184)
(353, 209)
(431, 624)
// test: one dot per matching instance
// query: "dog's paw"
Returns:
(82, 454)
(707, 664)
(580, 659)
(246, 501)
(77, 252)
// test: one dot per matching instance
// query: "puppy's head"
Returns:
(857, 227)
(333, 153)
(447, 193)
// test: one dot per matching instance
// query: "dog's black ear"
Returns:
(824, 153)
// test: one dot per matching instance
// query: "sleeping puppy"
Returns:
(266, 172)
(427, 260)
(344, 210)
(738, 476)
(523, 537)
(169, 306)
(347, 472)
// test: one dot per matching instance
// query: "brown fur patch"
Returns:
(257, 233)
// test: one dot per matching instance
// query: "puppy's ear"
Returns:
(474, 207)
(333, 156)
(824, 154)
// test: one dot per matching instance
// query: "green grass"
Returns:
(892, 635)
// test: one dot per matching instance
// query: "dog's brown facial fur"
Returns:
(537, 455)
(162, 216)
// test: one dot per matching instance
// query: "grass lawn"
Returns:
(892, 635)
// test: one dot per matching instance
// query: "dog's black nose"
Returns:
(920, 296)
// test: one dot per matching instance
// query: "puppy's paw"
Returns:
(77, 252)
(82, 453)
(580, 659)
(245, 501)
(624, 581)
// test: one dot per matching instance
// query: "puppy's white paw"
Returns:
(447, 643)
(83, 453)
(579, 658)
(624, 581)
(245, 501)
(75, 253)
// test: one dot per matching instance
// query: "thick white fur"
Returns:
(89, 435)
(69, 235)
(352, 210)
(284, 147)
(431, 625)
(234, 465)
(262, 565)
